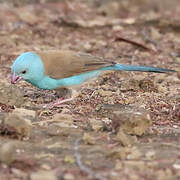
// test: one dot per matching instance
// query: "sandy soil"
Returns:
(123, 125)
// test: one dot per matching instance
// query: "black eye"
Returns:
(23, 72)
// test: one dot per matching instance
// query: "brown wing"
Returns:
(62, 64)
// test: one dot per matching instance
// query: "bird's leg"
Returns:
(60, 103)
(63, 92)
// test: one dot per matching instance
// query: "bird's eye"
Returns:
(23, 72)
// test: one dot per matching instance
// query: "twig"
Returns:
(135, 43)
(81, 165)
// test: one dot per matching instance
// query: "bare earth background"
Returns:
(124, 125)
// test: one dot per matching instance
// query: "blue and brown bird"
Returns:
(54, 70)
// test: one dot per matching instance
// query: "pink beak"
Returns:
(15, 79)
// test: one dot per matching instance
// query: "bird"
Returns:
(59, 69)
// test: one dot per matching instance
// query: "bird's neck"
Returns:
(44, 83)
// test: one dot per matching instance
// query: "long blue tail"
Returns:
(122, 67)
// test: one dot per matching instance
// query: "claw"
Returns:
(57, 103)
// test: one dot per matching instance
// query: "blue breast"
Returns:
(50, 83)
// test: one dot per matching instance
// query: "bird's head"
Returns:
(27, 66)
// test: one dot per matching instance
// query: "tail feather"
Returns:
(137, 68)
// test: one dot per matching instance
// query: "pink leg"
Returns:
(58, 103)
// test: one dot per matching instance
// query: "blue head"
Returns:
(27, 66)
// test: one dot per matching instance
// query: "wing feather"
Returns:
(65, 63)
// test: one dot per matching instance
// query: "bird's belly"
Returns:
(78, 79)
(50, 83)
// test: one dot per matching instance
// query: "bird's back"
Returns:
(65, 63)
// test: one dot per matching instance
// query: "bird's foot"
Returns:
(58, 103)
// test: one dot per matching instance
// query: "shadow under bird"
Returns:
(65, 69)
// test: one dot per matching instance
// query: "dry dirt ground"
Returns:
(124, 125)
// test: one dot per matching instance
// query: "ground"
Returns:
(123, 125)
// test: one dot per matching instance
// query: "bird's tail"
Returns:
(122, 67)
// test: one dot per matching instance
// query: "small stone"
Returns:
(176, 166)
(21, 126)
(43, 175)
(97, 125)
(63, 120)
(26, 113)
(87, 46)
(88, 139)
(134, 153)
(129, 85)
(19, 173)
(150, 155)
(104, 93)
(117, 28)
(7, 152)
(155, 34)
(137, 164)
(125, 153)
(118, 153)
(11, 95)
(69, 159)
(46, 166)
(161, 89)
(125, 139)
(147, 85)
(68, 176)
(134, 121)
(119, 165)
